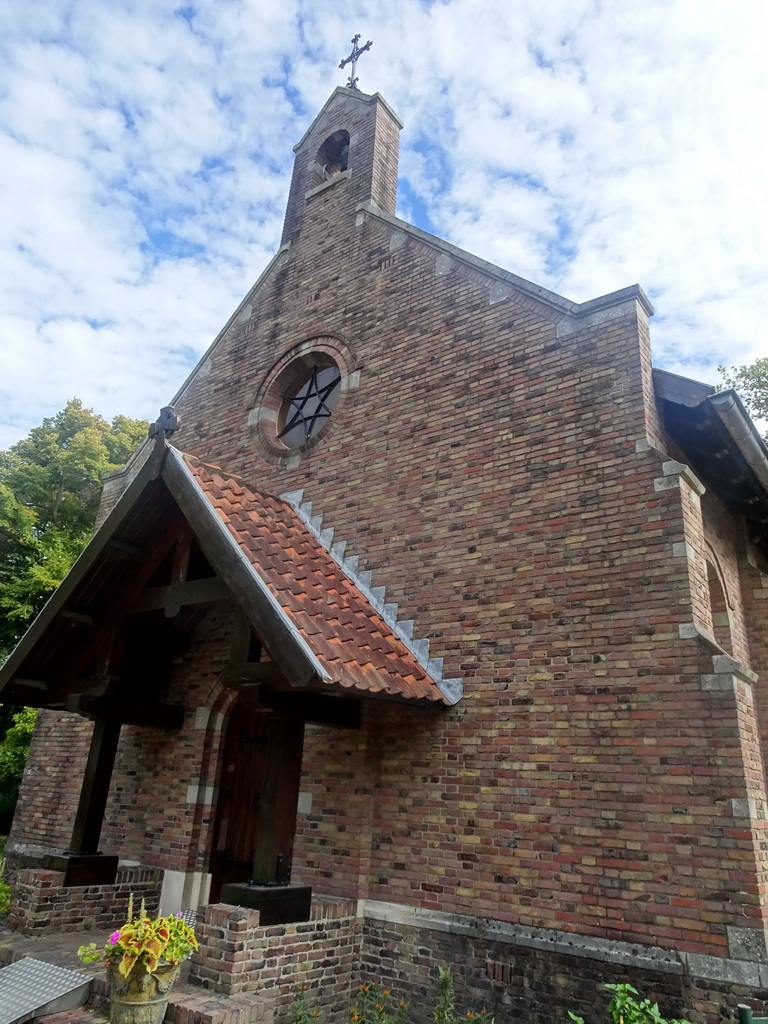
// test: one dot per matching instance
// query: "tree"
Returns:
(50, 484)
(17, 725)
(751, 382)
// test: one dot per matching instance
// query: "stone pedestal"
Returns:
(82, 868)
(277, 904)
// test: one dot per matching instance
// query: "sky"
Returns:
(146, 154)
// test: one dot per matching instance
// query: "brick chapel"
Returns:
(428, 628)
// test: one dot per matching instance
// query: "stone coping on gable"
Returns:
(565, 307)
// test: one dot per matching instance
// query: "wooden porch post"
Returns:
(89, 818)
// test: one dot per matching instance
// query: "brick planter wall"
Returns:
(40, 903)
(239, 955)
(539, 981)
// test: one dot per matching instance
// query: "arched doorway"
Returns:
(258, 793)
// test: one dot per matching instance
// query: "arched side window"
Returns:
(333, 155)
(718, 603)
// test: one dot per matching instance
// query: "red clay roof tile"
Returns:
(355, 646)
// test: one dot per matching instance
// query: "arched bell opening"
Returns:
(333, 156)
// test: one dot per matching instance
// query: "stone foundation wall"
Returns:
(539, 975)
(239, 955)
(40, 903)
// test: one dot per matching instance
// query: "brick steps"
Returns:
(85, 1015)
(190, 1004)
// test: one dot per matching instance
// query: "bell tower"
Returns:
(353, 143)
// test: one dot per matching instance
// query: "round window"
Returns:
(307, 404)
(295, 403)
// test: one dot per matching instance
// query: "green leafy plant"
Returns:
(145, 941)
(374, 1005)
(445, 1008)
(301, 1012)
(5, 899)
(5, 889)
(751, 381)
(625, 1009)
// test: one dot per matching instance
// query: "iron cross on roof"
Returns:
(356, 51)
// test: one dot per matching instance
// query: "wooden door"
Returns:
(258, 794)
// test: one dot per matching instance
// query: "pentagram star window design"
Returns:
(308, 404)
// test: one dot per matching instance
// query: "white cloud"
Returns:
(145, 157)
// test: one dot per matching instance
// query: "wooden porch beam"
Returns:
(77, 618)
(252, 672)
(131, 552)
(342, 712)
(127, 712)
(178, 595)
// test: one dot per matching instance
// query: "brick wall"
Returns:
(50, 787)
(40, 903)
(332, 848)
(238, 955)
(522, 982)
(160, 808)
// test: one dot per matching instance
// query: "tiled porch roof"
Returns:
(355, 647)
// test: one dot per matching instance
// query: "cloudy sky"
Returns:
(146, 151)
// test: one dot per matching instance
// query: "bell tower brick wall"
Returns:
(374, 131)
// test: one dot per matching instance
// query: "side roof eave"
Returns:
(725, 407)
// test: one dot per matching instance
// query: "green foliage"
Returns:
(16, 726)
(5, 889)
(301, 1012)
(751, 382)
(445, 1010)
(143, 941)
(625, 1009)
(375, 1005)
(50, 483)
(15, 744)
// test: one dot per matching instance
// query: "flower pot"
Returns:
(142, 997)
